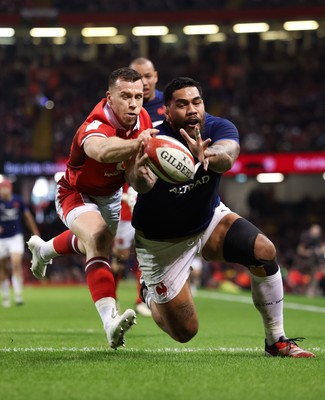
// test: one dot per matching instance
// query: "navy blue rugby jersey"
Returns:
(155, 108)
(11, 215)
(171, 210)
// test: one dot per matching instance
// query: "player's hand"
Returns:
(197, 146)
(146, 135)
(138, 174)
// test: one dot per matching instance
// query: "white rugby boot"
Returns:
(39, 264)
(117, 327)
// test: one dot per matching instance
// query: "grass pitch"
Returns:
(54, 347)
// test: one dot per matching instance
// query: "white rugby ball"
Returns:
(169, 159)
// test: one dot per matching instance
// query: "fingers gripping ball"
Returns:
(169, 159)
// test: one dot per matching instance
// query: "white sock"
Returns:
(5, 289)
(147, 297)
(47, 251)
(17, 285)
(106, 308)
(148, 301)
(267, 293)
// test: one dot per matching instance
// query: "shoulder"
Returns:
(218, 122)
(159, 95)
(145, 119)
(221, 128)
(165, 129)
(99, 123)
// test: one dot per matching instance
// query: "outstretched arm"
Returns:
(219, 157)
(115, 149)
(138, 174)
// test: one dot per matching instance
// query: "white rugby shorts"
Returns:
(12, 245)
(124, 237)
(166, 265)
(108, 206)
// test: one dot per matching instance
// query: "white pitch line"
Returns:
(34, 330)
(135, 350)
(248, 300)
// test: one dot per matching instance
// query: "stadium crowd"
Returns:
(275, 97)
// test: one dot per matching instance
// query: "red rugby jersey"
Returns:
(88, 175)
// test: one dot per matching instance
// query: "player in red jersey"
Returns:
(88, 197)
(153, 102)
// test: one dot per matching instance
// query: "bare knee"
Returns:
(99, 239)
(186, 332)
(179, 321)
(264, 249)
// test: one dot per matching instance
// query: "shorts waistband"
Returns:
(170, 240)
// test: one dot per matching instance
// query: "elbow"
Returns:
(229, 162)
(223, 165)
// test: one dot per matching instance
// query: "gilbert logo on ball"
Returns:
(169, 159)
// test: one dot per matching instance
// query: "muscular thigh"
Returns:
(90, 227)
(213, 247)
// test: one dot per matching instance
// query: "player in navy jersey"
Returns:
(175, 222)
(14, 217)
(153, 99)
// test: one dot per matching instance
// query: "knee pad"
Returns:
(239, 246)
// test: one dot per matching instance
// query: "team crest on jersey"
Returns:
(93, 125)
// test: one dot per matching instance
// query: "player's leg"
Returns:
(122, 244)
(5, 281)
(235, 239)
(17, 277)
(122, 251)
(68, 209)
(166, 289)
(93, 231)
(16, 248)
(177, 317)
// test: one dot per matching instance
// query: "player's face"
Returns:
(5, 192)
(149, 79)
(186, 110)
(126, 99)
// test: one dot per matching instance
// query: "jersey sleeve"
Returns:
(220, 129)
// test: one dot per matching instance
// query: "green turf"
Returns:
(54, 347)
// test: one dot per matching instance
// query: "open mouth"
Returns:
(192, 123)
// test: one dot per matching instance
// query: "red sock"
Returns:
(66, 243)
(138, 275)
(100, 279)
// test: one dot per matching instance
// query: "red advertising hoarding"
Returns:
(286, 163)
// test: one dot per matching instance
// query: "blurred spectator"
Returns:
(14, 217)
(311, 250)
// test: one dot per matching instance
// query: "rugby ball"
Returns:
(169, 159)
